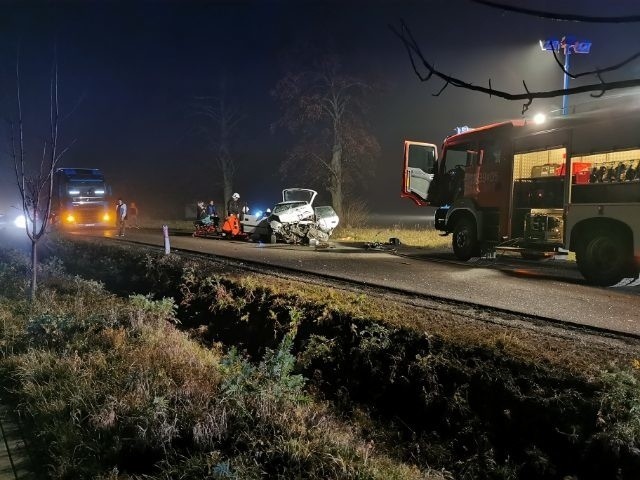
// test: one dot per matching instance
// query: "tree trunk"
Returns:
(227, 186)
(34, 269)
(335, 185)
(226, 165)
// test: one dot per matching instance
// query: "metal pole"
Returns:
(565, 97)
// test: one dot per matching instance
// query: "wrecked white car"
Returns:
(296, 220)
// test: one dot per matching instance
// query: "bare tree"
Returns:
(223, 119)
(325, 107)
(35, 185)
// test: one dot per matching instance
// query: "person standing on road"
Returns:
(212, 213)
(211, 209)
(132, 215)
(121, 216)
(201, 211)
(233, 207)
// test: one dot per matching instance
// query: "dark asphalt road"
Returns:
(550, 289)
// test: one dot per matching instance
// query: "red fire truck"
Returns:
(537, 187)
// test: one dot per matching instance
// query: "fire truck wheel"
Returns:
(604, 258)
(465, 239)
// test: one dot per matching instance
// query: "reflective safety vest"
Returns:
(231, 225)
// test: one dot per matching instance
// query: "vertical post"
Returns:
(565, 97)
(165, 234)
(569, 45)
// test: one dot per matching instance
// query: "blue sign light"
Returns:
(568, 44)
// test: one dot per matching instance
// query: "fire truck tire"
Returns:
(604, 258)
(465, 239)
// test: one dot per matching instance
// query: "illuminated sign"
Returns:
(567, 44)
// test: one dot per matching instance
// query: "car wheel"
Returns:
(465, 239)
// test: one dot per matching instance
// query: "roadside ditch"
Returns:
(451, 393)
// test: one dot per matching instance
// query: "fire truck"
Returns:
(80, 198)
(537, 188)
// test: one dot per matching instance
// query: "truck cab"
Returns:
(80, 198)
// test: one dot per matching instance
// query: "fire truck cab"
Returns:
(570, 182)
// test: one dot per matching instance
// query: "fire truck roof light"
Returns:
(539, 118)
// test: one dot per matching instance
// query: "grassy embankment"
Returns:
(334, 385)
(108, 387)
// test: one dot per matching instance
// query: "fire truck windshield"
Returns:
(463, 155)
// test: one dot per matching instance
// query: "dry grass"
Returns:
(415, 237)
(105, 380)
(175, 389)
(464, 330)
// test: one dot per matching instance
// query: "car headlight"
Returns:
(20, 221)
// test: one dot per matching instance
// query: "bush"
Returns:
(110, 389)
(355, 213)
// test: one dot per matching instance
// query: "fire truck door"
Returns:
(420, 161)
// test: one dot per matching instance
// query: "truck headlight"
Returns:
(70, 218)
(105, 217)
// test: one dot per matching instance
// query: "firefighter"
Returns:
(233, 206)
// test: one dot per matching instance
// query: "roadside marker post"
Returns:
(165, 234)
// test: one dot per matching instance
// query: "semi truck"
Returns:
(80, 198)
(538, 187)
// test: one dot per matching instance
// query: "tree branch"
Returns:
(558, 16)
(414, 52)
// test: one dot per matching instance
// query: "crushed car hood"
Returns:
(299, 195)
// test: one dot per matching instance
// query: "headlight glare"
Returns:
(20, 221)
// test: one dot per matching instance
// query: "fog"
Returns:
(129, 73)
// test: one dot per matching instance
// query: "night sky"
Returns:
(129, 73)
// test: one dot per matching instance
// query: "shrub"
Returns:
(110, 389)
(619, 413)
(355, 213)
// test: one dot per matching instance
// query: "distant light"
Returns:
(99, 192)
(20, 221)
(258, 213)
(539, 118)
(74, 192)
(550, 44)
(568, 44)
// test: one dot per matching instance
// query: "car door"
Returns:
(419, 166)
(326, 218)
